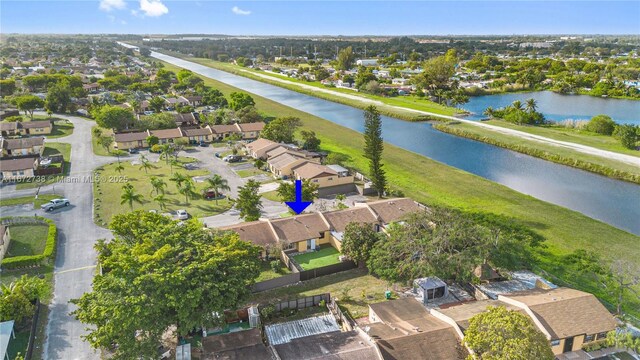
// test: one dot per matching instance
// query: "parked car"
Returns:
(182, 214)
(217, 155)
(133, 151)
(210, 194)
(55, 204)
(232, 158)
(203, 144)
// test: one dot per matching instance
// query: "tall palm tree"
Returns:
(146, 165)
(517, 105)
(130, 196)
(178, 178)
(187, 189)
(158, 185)
(217, 183)
(531, 105)
(162, 201)
(173, 163)
(165, 152)
(489, 112)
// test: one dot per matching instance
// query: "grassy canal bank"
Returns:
(431, 182)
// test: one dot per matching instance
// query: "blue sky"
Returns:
(320, 17)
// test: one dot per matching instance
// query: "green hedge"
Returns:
(580, 164)
(35, 260)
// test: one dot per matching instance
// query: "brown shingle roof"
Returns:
(223, 129)
(393, 209)
(196, 132)
(441, 344)
(23, 143)
(240, 345)
(35, 124)
(257, 232)
(566, 312)
(463, 312)
(132, 136)
(8, 126)
(282, 160)
(299, 228)
(309, 170)
(17, 164)
(276, 151)
(259, 144)
(188, 118)
(340, 219)
(167, 133)
(256, 126)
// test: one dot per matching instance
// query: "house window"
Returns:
(555, 342)
(589, 338)
(290, 246)
(14, 173)
(602, 336)
(315, 180)
(21, 172)
(330, 178)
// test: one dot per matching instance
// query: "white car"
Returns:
(182, 214)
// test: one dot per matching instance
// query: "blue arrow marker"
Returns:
(298, 206)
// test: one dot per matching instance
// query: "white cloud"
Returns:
(108, 5)
(236, 10)
(153, 8)
(123, 22)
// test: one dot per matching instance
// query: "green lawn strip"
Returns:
(50, 149)
(108, 190)
(97, 149)
(266, 273)
(271, 195)
(327, 255)
(431, 182)
(562, 133)
(385, 106)
(250, 172)
(27, 240)
(28, 200)
(61, 128)
(347, 286)
(561, 155)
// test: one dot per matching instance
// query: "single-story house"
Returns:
(198, 134)
(167, 135)
(5, 113)
(39, 127)
(404, 329)
(306, 231)
(282, 164)
(194, 100)
(5, 239)
(18, 168)
(258, 149)
(389, 211)
(92, 88)
(251, 130)
(9, 128)
(33, 146)
(172, 102)
(259, 233)
(131, 140)
(321, 175)
(187, 119)
(221, 132)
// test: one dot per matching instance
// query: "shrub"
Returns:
(35, 260)
(601, 124)
(15, 118)
(156, 148)
(275, 266)
(628, 135)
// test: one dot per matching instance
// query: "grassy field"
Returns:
(411, 102)
(272, 195)
(593, 163)
(250, 172)
(562, 133)
(61, 128)
(347, 286)
(28, 200)
(107, 191)
(97, 149)
(27, 240)
(266, 273)
(431, 182)
(327, 255)
(50, 150)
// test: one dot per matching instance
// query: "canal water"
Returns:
(558, 107)
(612, 201)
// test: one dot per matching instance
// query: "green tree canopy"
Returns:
(628, 134)
(240, 100)
(373, 147)
(281, 129)
(114, 117)
(358, 240)
(249, 201)
(601, 124)
(287, 191)
(157, 274)
(28, 103)
(309, 140)
(214, 97)
(346, 59)
(17, 298)
(499, 333)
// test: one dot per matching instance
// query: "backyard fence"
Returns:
(327, 270)
(32, 334)
(281, 281)
(49, 171)
(302, 303)
(304, 275)
(344, 319)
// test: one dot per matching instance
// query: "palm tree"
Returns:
(130, 196)
(119, 168)
(178, 178)
(146, 165)
(165, 152)
(158, 185)
(489, 112)
(217, 183)
(172, 163)
(162, 201)
(531, 105)
(186, 189)
(517, 105)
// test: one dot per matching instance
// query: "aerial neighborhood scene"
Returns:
(279, 180)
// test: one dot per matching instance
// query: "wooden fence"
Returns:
(297, 276)
(343, 319)
(302, 303)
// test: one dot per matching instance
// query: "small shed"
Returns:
(339, 169)
(430, 288)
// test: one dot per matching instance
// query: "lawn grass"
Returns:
(561, 155)
(19, 343)
(272, 195)
(431, 182)
(97, 149)
(577, 136)
(410, 102)
(107, 191)
(61, 128)
(250, 172)
(42, 199)
(327, 255)
(266, 273)
(50, 149)
(347, 286)
(27, 240)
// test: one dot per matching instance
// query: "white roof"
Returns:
(337, 168)
(6, 328)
